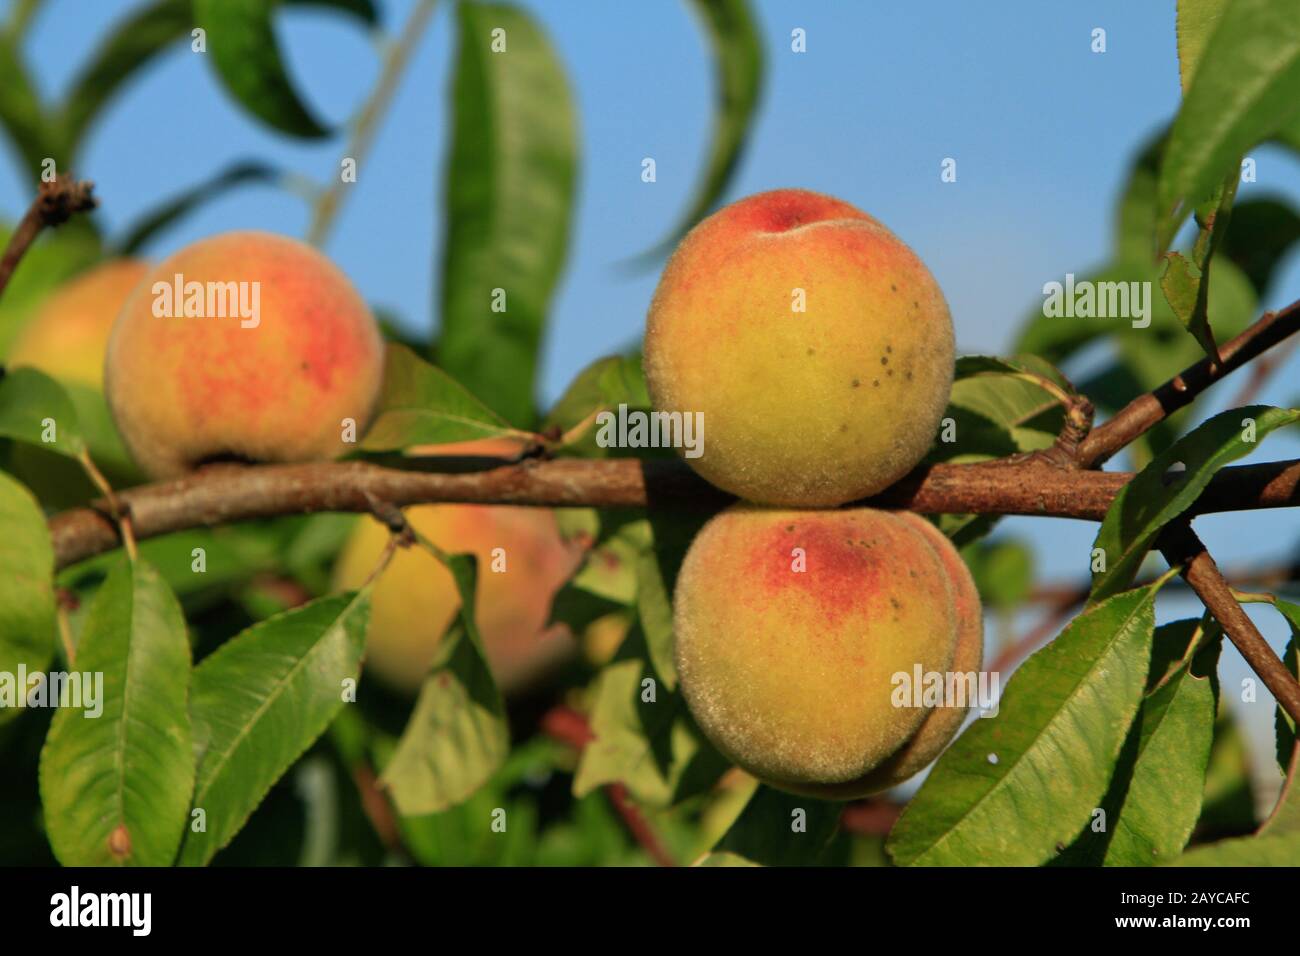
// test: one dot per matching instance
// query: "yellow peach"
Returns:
(790, 628)
(816, 346)
(244, 345)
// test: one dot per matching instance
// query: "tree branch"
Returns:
(1147, 410)
(54, 204)
(226, 493)
(1181, 546)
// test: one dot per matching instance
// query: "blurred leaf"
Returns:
(738, 67)
(1013, 788)
(1228, 807)
(1246, 88)
(55, 257)
(34, 406)
(1280, 850)
(1283, 725)
(723, 859)
(422, 405)
(260, 700)
(1003, 571)
(457, 737)
(132, 44)
(1263, 232)
(246, 56)
(1135, 221)
(21, 113)
(1197, 20)
(116, 788)
(782, 829)
(509, 197)
(26, 590)
(175, 209)
(1155, 497)
(649, 745)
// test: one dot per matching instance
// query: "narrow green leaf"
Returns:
(26, 592)
(1197, 20)
(422, 405)
(1015, 787)
(509, 197)
(738, 69)
(259, 701)
(601, 386)
(1245, 89)
(246, 56)
(21, 112)
(781, 829)
(457, 738)
(1182, 282)
(1135, 221)
(1162, 801)
(131, 45)
(36, 409)
(1280, 850)
(173, 210)
(116, 787)
(1155, 497)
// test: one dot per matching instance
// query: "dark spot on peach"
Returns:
(844, 428)
(884, 360)
(892, 287)
(875, 382)
(789, 527)
(889, 349)
(908, 376)
(856, 383)
(889, 372)
(810, 351)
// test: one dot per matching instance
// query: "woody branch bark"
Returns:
(55, 203)
(223, 494)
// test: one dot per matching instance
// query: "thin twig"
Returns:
(1181, 547)
(227, 493)
(570, 727)
(1148, 409)
(54, 204)
(363, 131)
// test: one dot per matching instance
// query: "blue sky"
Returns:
(1041, 127)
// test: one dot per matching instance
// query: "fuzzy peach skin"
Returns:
(811, 408)
(184, 390)
(790, 673)
(415, 598)
(68, 336)
(942, 723)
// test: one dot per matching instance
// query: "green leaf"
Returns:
(132, 44)
(1283, 725)
(509, 197)
(643, 735)
(601, 386)
(173, 210)
(1245, 89)
(246, 56)
(1263, 233)
(1162, 800)
(260, 700)
(457, 737)
(738, 66)
(1154, 497)
(422, 405)
(21, 113)
(1135, 221)
(54, 258)
(1197, 20)
(116, 788)
(1182, 283)
(26, 590)
(1016, 786)
(1280, 850)
(1003, 572)
(34, 408)
(781, 829)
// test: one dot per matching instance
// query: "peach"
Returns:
(244, 345)
(415, 598)
(815, 344)
(942, 723)
(790, 627)
(68, 336)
